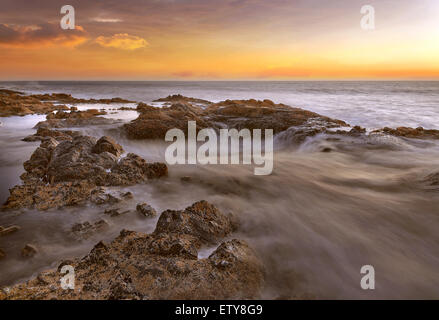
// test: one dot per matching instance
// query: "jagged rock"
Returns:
(2, 254)
(153, 123)
(8, 230)
(14, 103)
(86, 114)
(181, 98)
(146, 210)
(44, 196)
(161, 265)
(418, 133)
(69, 172)
(43, 134)
(87, 229)
(28, 251)
(107, 144)
(201, 220)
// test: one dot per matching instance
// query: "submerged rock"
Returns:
(418, 133)
(161, 265)
(28, 251)
(87, 229)
(8, 230)
(146, 210)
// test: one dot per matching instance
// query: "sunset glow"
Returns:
(219, 40)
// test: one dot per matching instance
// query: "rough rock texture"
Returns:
(180, 98)
(86, 229)
(161, 265)
(44, 133)
(418, 133)
(68, 172)
(2, 254)
(153, 123)
(75, 114)
(14, 103)
(67, 98)
(146, 210)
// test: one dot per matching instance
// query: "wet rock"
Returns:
(201, 220)
(418, 133)
(43, 134)
(67, 98)
(13, 103)
(5, 231)
(146, 210)
(86, 114)
(153, 123)
(186, 179)
(44, 196)
(2, 254)
(107, 144)
(181, 98)
(87, 229)
(115, 212)
(162, 265)
(29, 251)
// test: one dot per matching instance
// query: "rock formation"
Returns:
(161, 265)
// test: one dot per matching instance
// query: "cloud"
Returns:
(43, 35)
(106, 20)
(122, 41)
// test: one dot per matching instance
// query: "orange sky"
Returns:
(218, 40)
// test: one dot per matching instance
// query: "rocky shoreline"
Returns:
(70, 168)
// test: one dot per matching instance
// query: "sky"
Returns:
(219, 40)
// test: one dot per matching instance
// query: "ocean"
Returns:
(315, 221)
(371, 104)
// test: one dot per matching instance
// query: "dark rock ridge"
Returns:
(70, 170)
(161, 265)
(153, 123)
(15, 103)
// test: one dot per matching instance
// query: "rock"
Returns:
(127, 195)
(107, 144)
(146, 210)
(115, 212)
(153, 123)
(13, 103)
(201, 220)
(161, 265)
(87, 229)
(186, 179)
(2, 254)
(8, 230)
(43, 134)
(180, 98)
(28, 251)
(418, 133)
(69, 172)
(86, 114)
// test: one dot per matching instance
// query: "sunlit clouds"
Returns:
(122, 41)
(219, 40)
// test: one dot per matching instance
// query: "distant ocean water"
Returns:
(371, 104)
